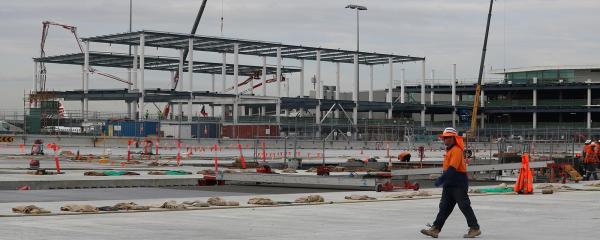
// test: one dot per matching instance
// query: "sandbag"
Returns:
(261, 201)
(196, 204)
(79, 208)
(130, 206)
(359, 197)
(173, 205)
(310, 199)
(217, 201)
(289, 170)
(30, 209)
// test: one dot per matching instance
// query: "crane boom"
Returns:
(73, 29)
(186, 50)
(473, 129)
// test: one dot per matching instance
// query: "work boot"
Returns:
(433, 231)
(473, 232)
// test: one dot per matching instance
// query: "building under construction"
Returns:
(244, 107)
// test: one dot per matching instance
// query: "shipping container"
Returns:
(250, 131)
(179, 131)
(125, 128)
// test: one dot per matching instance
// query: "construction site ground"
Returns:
(562, 215)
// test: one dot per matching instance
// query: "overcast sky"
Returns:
(523, 33)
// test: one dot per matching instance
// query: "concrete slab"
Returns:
(563, 215)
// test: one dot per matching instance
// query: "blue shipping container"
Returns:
(205, 130)
(131, 128)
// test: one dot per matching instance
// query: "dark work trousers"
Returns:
(590, 171)
(450, 197)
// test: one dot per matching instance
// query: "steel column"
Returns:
(236, 51)
(86, 82)
(191, 79)
(278, 107)
(142, 67)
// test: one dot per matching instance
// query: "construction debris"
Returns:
(79, 208)
(261, 201)
(217, 201)
(30, 209)
(359, 197)
(310, 199)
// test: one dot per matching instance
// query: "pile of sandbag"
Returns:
(289, 170)
(30, 209)
(217, 201)
(79, 208)
(359, 197)
(310, 199)
(409, 194)
(261, 201)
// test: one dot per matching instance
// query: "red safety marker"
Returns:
(178, 152)
(216, 159)
(157, 148)
(55, 148)
(129, 142)
(242, 156)
(264, 153)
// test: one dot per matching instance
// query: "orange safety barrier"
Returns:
(524, 184)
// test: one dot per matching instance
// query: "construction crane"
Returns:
(176, 77)
(42, 70)
(472, 132)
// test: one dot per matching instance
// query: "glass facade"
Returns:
(544, 76)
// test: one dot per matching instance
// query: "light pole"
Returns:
(358, 8)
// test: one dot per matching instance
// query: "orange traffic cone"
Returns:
(524, 184)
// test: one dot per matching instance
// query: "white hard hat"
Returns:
(588, 141)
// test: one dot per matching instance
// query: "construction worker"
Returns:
(455, 186)
(590, 158)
